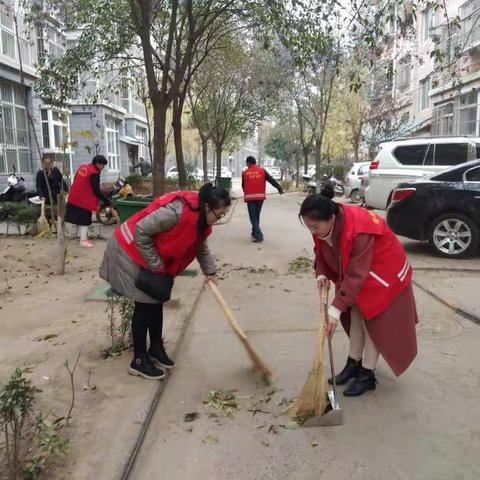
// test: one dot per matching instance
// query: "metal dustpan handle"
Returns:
(332, 364)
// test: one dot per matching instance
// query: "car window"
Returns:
(410, 154)
(363, 169)
(478, 150)
(453, 176)
(447, 154)
(473, 175)
(429, 156)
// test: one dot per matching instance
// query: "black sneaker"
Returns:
(158, 354)
(143, 367)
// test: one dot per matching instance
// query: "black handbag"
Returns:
(156, 285)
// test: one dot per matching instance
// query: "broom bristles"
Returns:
(313, 399)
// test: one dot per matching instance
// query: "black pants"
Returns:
(146, 317)
(254, 209)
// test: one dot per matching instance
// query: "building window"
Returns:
(404, 73)
(113, 147)
(444, 119)
(428, 23)
(14, 140)
(424, 93)
(55, 130)
(141, 134)
(8, 34)
(467, 113)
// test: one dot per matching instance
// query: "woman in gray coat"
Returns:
(146, 253)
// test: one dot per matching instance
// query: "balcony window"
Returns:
(467, 113)
(424, 93)
(55, 129)
(428, 23)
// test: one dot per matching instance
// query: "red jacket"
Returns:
(254, 183)
(390, 272)
(81, 194)
(177, 247)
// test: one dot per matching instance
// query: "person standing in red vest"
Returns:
(85, 196)
(357, 251)
(254, 180)
(148, 251)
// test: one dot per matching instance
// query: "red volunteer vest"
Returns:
(390, 272)
(177, 247)
(81, 194)
(254, 184)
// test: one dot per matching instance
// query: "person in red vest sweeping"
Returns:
(254, 180)
(148, 251)
(85, 196)
(355, 249)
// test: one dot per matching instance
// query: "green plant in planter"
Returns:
(286, 184)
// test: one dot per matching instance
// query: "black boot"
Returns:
(158, 354)
(350, 370)
(363, 382)
(143, 367)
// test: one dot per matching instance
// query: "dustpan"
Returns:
(333, 414)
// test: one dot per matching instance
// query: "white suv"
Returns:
(413, 158)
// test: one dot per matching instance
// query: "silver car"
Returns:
(352, 184)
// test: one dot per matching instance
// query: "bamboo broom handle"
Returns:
(323, 323)
(42, 208)
(226, 310)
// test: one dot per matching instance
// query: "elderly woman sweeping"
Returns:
(355, 249)
(148, 251)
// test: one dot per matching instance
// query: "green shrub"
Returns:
(20, 214)
(286, 184)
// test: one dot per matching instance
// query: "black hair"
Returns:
(214, 197)
(328, 190)
(318, 207)
(99, 160)
(251, 160)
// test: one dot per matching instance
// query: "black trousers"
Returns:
(254, 210)
(147, 317)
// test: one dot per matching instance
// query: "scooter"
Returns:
(16, 190)
(122, 189)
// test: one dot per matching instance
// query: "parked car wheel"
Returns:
(356, 196)
(454, 235)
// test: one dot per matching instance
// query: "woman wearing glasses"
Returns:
(148, 251)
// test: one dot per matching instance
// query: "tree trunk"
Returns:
(205, 159)
(305, 160)
(62, 241)
(177, 138)
(297, 169)
(318, 162)
(159, 146)
(218, 150)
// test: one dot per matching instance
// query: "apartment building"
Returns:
(115, 124)
(437, 97)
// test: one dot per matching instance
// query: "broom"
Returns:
(42, 222)
(257, 361)
(313, 399)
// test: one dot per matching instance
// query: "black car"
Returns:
(443, 209)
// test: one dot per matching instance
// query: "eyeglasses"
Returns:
(218, 216)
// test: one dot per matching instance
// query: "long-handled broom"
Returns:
(315, 406)
(42, 222)
(257, 361)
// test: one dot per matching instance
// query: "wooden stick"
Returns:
(258, 362)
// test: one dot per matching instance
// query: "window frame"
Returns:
(114, 163)
(51, 124)
(477, 167)
(425, 96)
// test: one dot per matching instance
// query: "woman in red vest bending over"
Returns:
(148, 251)
(85, 196)
(355, 249)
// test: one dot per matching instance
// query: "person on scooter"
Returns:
(85, 197)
